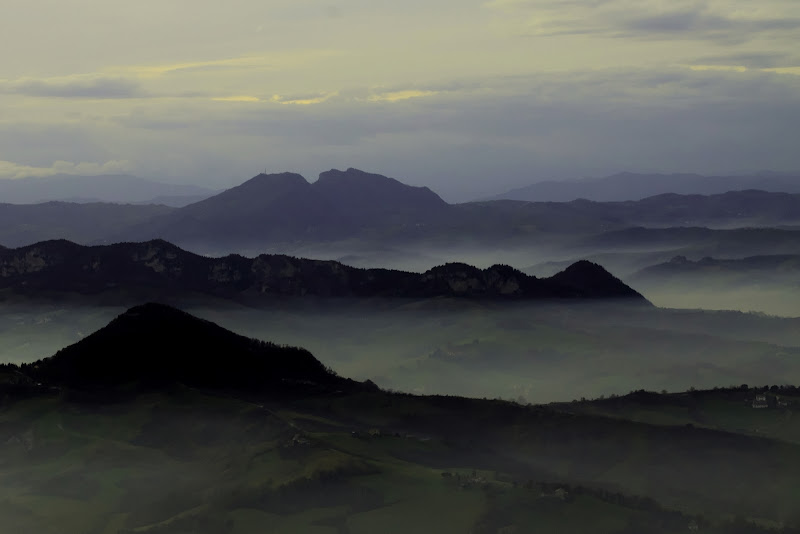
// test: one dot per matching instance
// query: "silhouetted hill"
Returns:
(632, 186)
(750, 207)
(761, 269)
(154, 345)
(731, 209)
(375, 199)
(284, 213)
(755, 241)
(23, 224)
(591, 279)
(176, 201)
(285, 207)
(279, 211)
(61, 266)
(266, 207)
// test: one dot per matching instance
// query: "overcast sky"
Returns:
(469, 97)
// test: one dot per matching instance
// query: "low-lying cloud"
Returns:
(729, 22)
(92, 88)
(699, 24)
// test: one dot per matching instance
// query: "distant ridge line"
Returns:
(157, 265)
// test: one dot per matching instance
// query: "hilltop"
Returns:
(352, 213)
(284, 210)
(284, 207)
(156, 345)
(220, 453)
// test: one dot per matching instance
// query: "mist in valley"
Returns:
(531, 353)
(436, 267)
(771, 299)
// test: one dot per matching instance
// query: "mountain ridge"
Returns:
(62, 266)
(285, 207)
(280, 210)
(284, 212)
(636, 186)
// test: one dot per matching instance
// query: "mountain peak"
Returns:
(356, 177)
(256, 190)
(156, 345)
(593, 280)
(352, 173)
(363, 191)
(279, 179)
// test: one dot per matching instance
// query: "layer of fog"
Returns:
(530, 353)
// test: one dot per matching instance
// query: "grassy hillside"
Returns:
(161, 422)
(764, 411)
(187, 462)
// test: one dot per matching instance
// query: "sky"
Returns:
(469, 97)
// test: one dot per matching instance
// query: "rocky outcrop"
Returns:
(60, 266)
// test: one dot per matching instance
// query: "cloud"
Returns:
(730, 22)
(503, 110)
(237, 98)
(303, 100)
(698, 23)
(397, 96)
(13, 170)
(75, 87)
(270, 62)
(750, 60)
(236, 63)
(474, 135)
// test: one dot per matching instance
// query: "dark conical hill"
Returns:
(156, 345)
(592, 280)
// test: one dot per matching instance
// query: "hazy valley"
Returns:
(363, 356)
(169, 438)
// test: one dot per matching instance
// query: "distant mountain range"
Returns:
(632, 186)
(270, 211)
(697, 240)
(753, 269)
(23, 224)
(59, 267)
(356, 212)
(121, 188)
(285, 208)
(628, 251)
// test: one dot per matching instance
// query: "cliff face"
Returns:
(60, 266)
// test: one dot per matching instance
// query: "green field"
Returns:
(191, 462)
